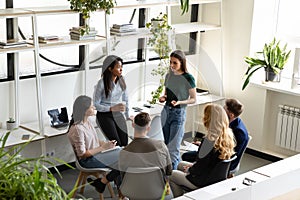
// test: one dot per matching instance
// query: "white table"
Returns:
(228, 188)
(48, 130)
(15, 137)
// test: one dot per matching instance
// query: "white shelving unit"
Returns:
(35, 13)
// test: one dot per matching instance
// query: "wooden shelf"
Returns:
(14, 12)
(17, 49)
(194, 27)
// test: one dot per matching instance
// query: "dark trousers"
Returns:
(189, 156)
(113, 125)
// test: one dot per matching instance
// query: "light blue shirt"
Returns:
(116, 96)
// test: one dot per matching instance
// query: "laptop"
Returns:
(58, 119)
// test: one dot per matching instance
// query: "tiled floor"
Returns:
(69, 177)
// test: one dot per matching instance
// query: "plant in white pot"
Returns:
(159, 41)
(11, 124)
(273, 59)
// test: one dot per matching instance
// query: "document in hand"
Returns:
(188, 146)
(112, 149)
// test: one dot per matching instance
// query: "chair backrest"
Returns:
(219, 172)
(236, 169)
(155, 131)
(143, 183)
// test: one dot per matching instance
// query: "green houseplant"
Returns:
(184, 6)
(273, 59)
(85, 7)
(26, 178)
(159, 41)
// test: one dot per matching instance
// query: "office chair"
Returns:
(234, 171)
(217, 174)
(143, 183)
(155, 131)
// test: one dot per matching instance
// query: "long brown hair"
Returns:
(181, 57)
(108, 64)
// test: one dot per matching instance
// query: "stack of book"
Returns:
(76, 33)
(122, 29)
(46, 39)
(12, 43)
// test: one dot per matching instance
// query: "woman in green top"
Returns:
(180, 90)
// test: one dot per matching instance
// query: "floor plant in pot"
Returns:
(272, 58)
(27, 178)
(159, 41)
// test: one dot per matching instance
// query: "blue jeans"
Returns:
(173, 121)
(100, 160)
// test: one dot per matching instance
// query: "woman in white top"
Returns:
(83, 137)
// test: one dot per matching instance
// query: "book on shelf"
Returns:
(122, 26)
(82, 37)
(79, 32)
(78, 28)
(12, 42)
(123, 30)
(123, 33)
(48, 37)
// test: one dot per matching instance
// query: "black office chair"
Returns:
(217, 174)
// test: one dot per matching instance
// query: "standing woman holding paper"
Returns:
(83, 138)
(111, 101)
(180, 90)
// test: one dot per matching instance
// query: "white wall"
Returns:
(261, 105)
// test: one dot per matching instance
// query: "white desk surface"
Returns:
(182, 198)
(48, 130)
(154, 110)
(228, 186)
(280, 167)
(207, 98)
(15, 136)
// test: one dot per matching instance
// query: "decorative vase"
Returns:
(155, 23)
(11, 125)
(270, 75)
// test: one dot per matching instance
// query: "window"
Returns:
(280, 19)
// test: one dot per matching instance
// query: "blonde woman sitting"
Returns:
(216, 146)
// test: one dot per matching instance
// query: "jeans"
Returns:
(100, 160)
(173, 121)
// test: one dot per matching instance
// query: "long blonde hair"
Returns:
(216, 122)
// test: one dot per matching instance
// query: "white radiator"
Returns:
(288, 128)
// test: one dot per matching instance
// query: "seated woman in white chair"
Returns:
(83, 137)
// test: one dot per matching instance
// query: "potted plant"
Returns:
(85, 7)
(159, 41)
(184, 6)
(273, 59)
(11, 124)
(26, 178)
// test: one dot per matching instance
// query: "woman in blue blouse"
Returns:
(180, 90)
(109, 95)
